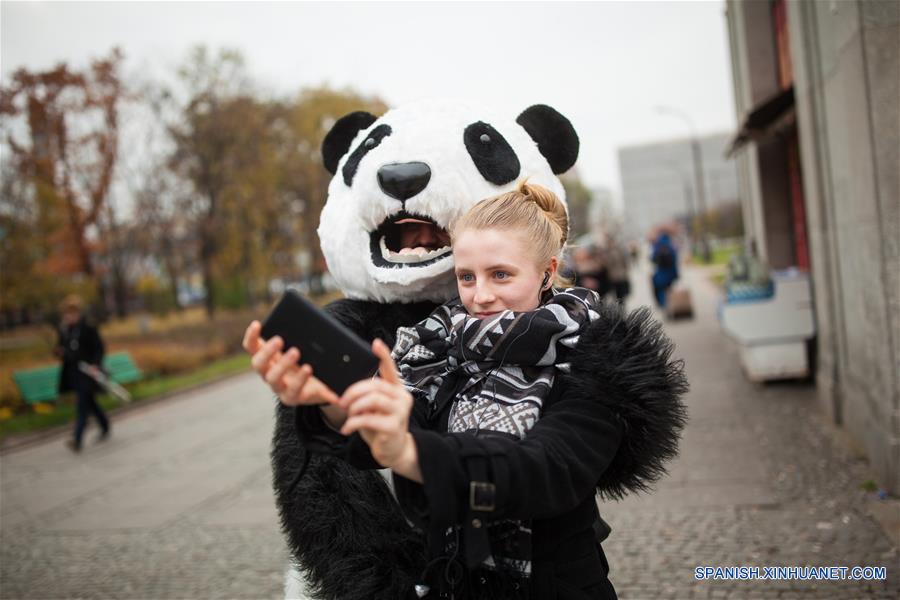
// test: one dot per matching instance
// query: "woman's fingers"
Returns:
(251, 342)
(316, 392)
(372, 422)
(275, 375)
(264, 355)
(386, 366)
(375, 402)
(368, 386)
(295, 380)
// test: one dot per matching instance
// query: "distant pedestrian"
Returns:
(80, 346)
(590, 271)
(617, 257)
(665, 258)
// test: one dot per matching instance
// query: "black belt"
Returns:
(482, 498)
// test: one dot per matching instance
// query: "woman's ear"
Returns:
(552, 268)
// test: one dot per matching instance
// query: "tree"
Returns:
(578, 198)
(223, 147)
(68, 160)
(302, 126)
(256, 172)
(160, 229)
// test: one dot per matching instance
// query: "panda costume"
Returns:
(399, 182)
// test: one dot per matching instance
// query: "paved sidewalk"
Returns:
(177, 504)
(760, 481)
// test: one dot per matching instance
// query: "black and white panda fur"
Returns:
(401, 179)
(457, 155)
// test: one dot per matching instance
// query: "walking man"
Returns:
(79, 342)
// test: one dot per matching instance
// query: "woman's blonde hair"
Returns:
(531, 209)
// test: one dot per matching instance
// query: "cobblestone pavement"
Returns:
(760, 481)
(177, 504)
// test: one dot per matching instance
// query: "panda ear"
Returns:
(556, 138)
(337, 141)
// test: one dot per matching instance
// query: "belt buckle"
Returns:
(482, 496)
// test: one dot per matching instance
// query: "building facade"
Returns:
(816, 87)
(658, 180)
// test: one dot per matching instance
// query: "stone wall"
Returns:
(846, 64)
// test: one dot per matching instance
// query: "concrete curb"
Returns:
(15, 442)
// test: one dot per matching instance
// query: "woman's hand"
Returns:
(379, 409)
(294, 384)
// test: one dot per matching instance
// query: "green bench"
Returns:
(40, 385)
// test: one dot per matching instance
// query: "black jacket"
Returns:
(548, 478)
(79, 342)
(347, 532)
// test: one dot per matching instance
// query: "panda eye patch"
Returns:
(372, 141)
(493, 156)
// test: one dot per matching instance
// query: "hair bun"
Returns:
(548, 202)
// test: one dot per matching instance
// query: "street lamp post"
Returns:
(688, 196)
(699, 184)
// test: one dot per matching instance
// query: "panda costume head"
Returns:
(401, 180)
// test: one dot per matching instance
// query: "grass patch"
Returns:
(64, 410)
(719, 279)
(719, 255)
(215, 370)
(869, 486)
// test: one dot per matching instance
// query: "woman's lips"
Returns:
(482, 315)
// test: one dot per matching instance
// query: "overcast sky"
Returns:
(605, 65)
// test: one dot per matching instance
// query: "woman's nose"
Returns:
(483, 295)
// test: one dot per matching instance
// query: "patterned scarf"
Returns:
(507, 363)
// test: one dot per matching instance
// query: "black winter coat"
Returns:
(348, 534)
(548, 478)
(79, 342)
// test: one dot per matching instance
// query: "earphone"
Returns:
(543, 286)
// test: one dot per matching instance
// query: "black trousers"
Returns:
(87, 405)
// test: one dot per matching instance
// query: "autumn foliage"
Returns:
(62, 169)
(216, 196)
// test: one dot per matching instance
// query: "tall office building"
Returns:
(658, 180)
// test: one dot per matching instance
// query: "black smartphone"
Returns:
(337, 355)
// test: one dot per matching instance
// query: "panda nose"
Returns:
(403, 180)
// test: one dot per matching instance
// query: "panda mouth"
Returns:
(404, 239)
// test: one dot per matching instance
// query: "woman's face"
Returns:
(496, 271)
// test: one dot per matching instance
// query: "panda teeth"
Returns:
(414, 255)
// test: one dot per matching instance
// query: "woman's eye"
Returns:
(467, 277)
(501, 274)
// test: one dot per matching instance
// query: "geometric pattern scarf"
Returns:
(508, 360)
(501, 369)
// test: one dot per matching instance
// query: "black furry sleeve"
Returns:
(625, 362)
(315, 434)
(342, 525)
